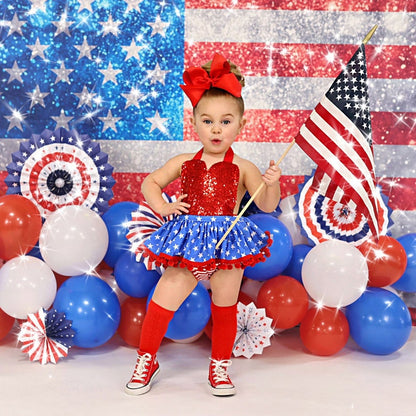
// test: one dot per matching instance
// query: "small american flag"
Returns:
(337, 137)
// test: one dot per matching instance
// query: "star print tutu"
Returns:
(189, 241)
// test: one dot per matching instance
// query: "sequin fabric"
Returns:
(210, 191)
(189, 240)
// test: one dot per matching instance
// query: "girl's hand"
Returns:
(178, 207)
(272, 174)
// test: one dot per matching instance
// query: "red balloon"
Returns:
(6, 323)
(60, 279)
(244, 298)
(20, 225)
(133, 311)
(386, 260)
(103, 266)
(285, 300)
(324, 331)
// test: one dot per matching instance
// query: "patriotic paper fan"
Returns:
(144, 222)
(59, 168)
(253, 330)
(323, 219)
(46, 336)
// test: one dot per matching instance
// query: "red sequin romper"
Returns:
(189, 240)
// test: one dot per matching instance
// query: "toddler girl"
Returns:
(213, 182)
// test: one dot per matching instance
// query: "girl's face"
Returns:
(217, 121)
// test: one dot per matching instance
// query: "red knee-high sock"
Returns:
(224, 330)
(154, 327)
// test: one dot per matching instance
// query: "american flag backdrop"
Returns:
(112, 68)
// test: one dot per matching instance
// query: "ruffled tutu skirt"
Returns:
(189, 241)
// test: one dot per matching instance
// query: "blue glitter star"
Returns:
(109, 67)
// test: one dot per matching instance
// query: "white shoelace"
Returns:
(220, 370)
(140, 371)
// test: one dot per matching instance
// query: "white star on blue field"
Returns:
(107, 68)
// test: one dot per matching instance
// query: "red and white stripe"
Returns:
(344, 158)
(346, 5)
(144, 222)
(35, 342)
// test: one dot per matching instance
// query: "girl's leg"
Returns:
(173, 288)
(225, 286)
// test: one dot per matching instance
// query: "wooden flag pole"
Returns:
(260, 188)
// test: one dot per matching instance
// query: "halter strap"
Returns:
(229, 155)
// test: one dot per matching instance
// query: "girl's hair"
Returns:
(217, 92)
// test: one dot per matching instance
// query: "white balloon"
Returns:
(73, 240)
(108, 277)
(334, 273)
(288, 218)
(26, 285)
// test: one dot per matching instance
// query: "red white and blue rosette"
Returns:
(253, 330)
(144, 222)
(46, 336)
(322, 218)
(60, 168)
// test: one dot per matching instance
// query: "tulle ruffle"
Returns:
(189, 241)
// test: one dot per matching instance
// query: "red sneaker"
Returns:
(145, 371)
(218, 379)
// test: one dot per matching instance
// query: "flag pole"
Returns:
(260, 188)
(370, 34)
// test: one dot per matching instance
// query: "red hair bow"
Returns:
(197, 80)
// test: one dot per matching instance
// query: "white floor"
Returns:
(285, 380)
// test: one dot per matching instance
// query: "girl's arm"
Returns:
(268, 199)
(156, 181)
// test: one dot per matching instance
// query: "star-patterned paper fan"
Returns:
(46, 336)
(322, 218)
(144, 222)
(59, 168)
(253, 330)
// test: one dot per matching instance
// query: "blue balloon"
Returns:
(192, 316)
(132, 277)
(280, 251)
(294, 268)
(35, 252)
(380, 322)
(407, 282)
(115, 219)
(93, 308)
